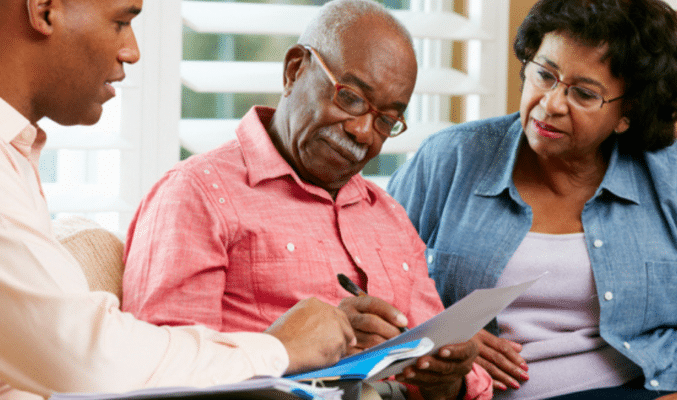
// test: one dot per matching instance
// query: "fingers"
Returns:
(315, 334)
(346, 328)
(501, 359)
(450, 364)
(373, 319)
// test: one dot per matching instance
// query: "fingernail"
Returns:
(514, 385)
(410, 374)
(445, 353)
(425, 365)
(524, 366)
(524, 376)
(402, 320)
(501, 386)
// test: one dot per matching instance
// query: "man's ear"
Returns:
(295, 62)
(40, 15)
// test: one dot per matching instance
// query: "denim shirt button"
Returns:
(608, 296)
(626, 345)
(598, 243)
(430, 259)
(654, 383)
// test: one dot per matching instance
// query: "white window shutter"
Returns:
(432, 27)
(140, 137)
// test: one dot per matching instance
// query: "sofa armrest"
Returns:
(98, 251)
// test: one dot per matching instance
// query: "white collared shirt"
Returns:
(57, 336)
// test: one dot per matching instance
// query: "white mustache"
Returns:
(357, 150)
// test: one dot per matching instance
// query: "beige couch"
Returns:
(98, 251)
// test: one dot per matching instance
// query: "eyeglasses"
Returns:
(542, 78)
(350, 101)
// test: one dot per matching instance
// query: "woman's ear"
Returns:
(40, 15)
(622, 126)
(295, 63)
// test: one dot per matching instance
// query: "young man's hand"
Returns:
(314, 333)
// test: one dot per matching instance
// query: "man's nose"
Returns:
(130, 52)
(361, 128)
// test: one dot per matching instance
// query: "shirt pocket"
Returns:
(287, 270)
(661, 295)
(399, 268)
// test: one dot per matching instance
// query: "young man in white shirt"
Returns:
(58, 59)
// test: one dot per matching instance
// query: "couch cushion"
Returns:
(98, 251)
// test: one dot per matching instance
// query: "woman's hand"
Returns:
(501, 358)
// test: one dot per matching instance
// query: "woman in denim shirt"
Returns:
(582, 182)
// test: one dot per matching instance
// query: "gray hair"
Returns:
(337, 16)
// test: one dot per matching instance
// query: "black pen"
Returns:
(355, 290)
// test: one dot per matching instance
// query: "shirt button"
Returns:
(430, 259)
(626, 345)
(291, 247)
(222, 200)
(405, 266)
(215, 186)
(598, 243)
(206, 172)
(654, 383)
(608, 296)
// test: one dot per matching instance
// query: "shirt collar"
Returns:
(18, 131)
(13, 123)
(264, 162)
(498, 177)
(620, 178)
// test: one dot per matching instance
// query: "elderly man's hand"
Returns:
(501, 359)
(441, 376)
(373, 319)
(314, 333)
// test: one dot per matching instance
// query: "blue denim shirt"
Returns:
(459, 193)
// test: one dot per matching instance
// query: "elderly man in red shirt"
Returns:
(232, 238)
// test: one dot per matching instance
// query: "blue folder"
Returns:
(367, 363)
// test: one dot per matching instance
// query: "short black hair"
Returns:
(641, 36)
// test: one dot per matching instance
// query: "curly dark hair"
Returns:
(642, 50)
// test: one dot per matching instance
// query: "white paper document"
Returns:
(457, 324)
(255, 388)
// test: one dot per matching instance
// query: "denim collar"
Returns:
(619, 180)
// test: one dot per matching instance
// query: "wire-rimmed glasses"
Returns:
(543, 78)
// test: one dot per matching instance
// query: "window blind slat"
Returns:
(76, 202)
(266, 77)
(74, 140)
(200, 135)
(282, 19)
(232, 76)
